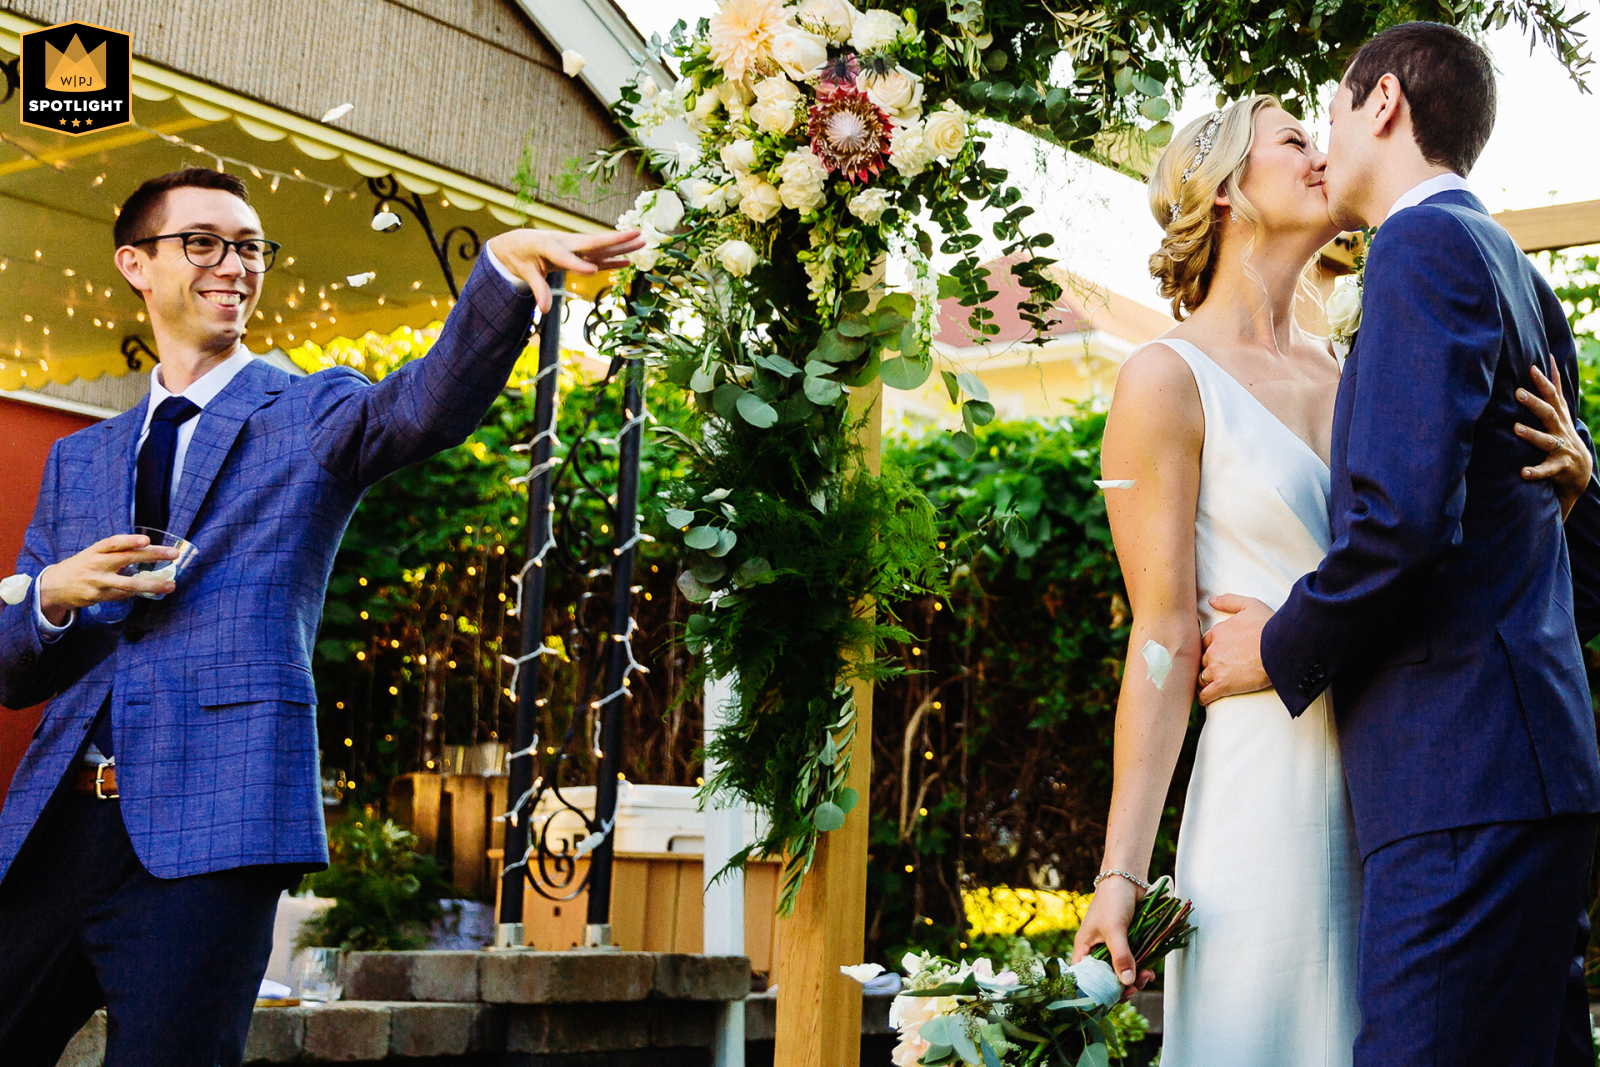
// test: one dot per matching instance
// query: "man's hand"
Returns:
(1232, 661)
(91, 576)
(1568, 465)
(1106, 922)
(531, 254)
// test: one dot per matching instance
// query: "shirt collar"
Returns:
(1439, 183)
(204, 389)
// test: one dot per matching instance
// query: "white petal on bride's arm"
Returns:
(1157, 662)
(1115, 483)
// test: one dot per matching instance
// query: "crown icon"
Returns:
(76, 70)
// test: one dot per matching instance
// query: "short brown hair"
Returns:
(1448, 81)
(141, 212)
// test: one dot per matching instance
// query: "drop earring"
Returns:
(1234, 215)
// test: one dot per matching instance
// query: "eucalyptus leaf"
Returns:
(701, 537)
(678, 518)
(855, 302)
(937, 1030)
(707, 572)
(1147, 85)
(973, 385)
(847, 799)
(834, 348)
(702, 381)
(756, 412)
(982, 411)
(903, 373)
(726, 539)
(827, 818)
(830, 752)
(751, 570)
(716, 495)
(726, 400)
(819, 369)
(1095, 1055)
(692, 590)
(778, 365)
(853, 326)
(1155, 108)
(822, 391)
(951, 386)
(949, 287)
(902, 304)
(966, 1048)
(1123, 81)
(698, 624)
(964, 444)
(888, 321)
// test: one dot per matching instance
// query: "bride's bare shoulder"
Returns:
(1155, 374)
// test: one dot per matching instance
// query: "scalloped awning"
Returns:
(66, 314)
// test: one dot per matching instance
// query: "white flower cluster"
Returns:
(878, 31)
(655, 214)
(656, 108)
(942, 135)
(924, 290)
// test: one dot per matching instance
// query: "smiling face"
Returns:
(1283, 179)
(205, 308)
(1351, 148)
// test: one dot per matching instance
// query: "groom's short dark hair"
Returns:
(1448, 81)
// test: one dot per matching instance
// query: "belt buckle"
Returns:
(100, 780)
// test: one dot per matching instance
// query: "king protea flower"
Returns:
(849, 133)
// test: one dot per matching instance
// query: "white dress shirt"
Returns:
(202, 391)
(1439, 183)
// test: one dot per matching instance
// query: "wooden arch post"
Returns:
(819, 1009)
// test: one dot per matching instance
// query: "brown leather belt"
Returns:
(99, 782)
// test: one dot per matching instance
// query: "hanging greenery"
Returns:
(832, 140)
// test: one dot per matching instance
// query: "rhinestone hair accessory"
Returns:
(1202, 146)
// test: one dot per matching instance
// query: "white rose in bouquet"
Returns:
(705, 107)
(1344, 309)
(908, 150)
(801, 177)
(1097, 981)
(799, 52)
(776, 98)
(869, 204)
(759, 200)
(661, 208)
(705, 195)
(739, 156)
(906, 1015)
(738, 259)
(735, 97)
(945, 131)
(831, 18)
(876, 31)
(898, 92)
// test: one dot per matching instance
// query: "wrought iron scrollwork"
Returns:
(467, 244)
(11, 69)
(134, 349)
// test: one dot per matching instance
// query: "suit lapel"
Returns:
(216, 429)
(113, 468)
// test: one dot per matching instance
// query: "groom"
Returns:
(1443, 616)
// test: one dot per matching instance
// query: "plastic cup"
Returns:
(164, 569)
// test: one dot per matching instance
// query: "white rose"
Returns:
(734, 92)
(874, 31)
(899, 92)
(908, 151)
(776, 98)
(1097, 980)
(705, 106)
(801, 177)
(736, 257)
(869, 204)
(759, 200)
(1344, 308)
(799, 52)
(739, 156)
(831, 18)
(704, 195)
(945, 131)
(661, 209)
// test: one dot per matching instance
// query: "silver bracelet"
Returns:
(1103, 875)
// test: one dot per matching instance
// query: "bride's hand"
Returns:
(1568, 464)
(1106, 922)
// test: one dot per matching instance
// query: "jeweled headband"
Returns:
(1202, 145)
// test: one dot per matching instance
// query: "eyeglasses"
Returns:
(203, 249)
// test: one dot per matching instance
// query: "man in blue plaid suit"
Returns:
(172, 788)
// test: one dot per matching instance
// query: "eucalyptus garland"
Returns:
(828, 140)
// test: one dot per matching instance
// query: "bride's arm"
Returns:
(1153, 436)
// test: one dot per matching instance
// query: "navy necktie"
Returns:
(153, 486)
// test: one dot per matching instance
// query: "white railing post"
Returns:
(724, 900)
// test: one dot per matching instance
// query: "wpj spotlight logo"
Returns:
(76, 79)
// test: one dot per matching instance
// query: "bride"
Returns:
(1220, 431)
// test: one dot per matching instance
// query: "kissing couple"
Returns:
(1375, 574)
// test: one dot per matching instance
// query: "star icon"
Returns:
(63, 122)
(74, 123)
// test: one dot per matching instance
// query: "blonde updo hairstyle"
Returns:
(1186, 260)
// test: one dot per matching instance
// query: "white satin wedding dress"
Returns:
(1267, 849)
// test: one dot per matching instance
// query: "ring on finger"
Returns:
(1558, 445)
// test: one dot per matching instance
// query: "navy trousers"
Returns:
(1472, 947)
(177, 963)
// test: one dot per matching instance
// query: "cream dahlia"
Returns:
(849, 133)
(741, 34)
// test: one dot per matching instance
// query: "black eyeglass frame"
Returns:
(236, 246)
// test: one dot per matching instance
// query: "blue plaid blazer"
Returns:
(214, 711)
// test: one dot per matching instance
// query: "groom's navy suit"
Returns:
(1446, 621)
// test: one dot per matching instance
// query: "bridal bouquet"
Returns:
(1039, 1011)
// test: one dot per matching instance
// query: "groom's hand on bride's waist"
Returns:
(1232, 661)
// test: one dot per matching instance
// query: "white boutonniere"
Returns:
(1344, 305)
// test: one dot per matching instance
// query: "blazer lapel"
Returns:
(215, 431)
(113, 468)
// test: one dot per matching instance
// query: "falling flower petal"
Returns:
(862, 972)
(386, 222)
(1115, 483)
(572, 62)
(356, 281)
(14, 588)
(1157, 662)
(336, 113)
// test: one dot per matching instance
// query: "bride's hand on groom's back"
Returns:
(1106, 922)
(1567, 464)
(1231, 664)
